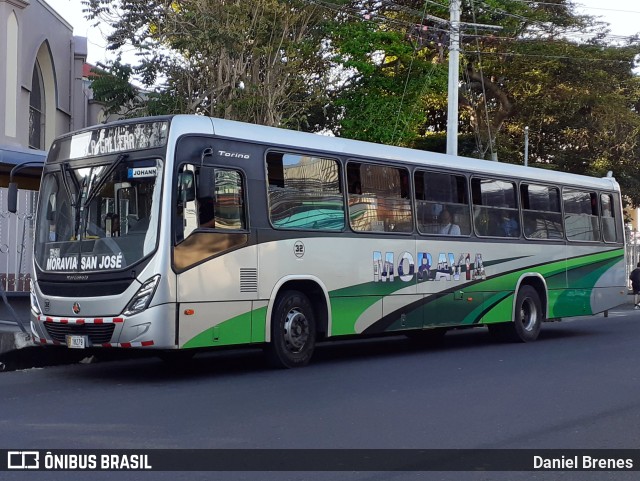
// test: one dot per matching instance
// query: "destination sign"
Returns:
(116, 139)
(87, 263)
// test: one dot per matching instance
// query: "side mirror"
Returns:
(51, 213)
(206, 182)
(12, 199)
(186, 186)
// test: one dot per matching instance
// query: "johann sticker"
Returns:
(138, 172)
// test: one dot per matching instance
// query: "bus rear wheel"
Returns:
(528, 317)
(293, 331)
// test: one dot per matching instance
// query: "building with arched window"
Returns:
(43, 94)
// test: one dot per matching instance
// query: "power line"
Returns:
(551, 57)
(579, 5)
(408, 25)
(424, 13)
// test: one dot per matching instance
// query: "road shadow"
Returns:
(139, 366)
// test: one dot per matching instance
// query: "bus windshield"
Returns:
(101, 217)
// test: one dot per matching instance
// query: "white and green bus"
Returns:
(189, 233)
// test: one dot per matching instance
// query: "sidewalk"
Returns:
(18, 351)
(12, 340)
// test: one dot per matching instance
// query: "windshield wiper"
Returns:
(76, 185)
(75, 199)
(95, 188)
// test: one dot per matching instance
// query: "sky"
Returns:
(623, 15)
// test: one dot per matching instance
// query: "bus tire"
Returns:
(528, 317)
(293, 331)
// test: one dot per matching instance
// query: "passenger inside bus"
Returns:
(446, 225)
(508, 224)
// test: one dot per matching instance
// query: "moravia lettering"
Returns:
(446, 268)
(87, 263)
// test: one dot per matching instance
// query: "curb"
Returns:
(12, 340)
(19, 351)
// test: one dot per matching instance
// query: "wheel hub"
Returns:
(296, 330)
(528, 314)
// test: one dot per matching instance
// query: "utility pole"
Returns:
(454, 76)
(526, 146)
(454, 72)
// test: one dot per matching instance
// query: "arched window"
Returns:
(36, 110)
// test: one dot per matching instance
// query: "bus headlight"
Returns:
(140, 301)
(35, 305)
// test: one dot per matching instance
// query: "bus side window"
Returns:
(609, 225)
(580, 215)
(438, 195)
(214, 221)
(223, 208)
(385, 205)
(541, 211)
(304, 192)
(495, 208)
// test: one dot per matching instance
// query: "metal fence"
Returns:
(16, 241)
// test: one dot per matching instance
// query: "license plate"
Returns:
(77, 342)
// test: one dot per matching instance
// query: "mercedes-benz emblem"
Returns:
(76, 308)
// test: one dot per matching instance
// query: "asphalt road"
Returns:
(576, 387)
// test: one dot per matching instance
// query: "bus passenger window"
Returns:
(305, 192)
(442, 203)
(541, 212)
(609, 226)
(495, 208)
(580, 215)
(384, 205)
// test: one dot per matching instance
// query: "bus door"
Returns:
(215, 261)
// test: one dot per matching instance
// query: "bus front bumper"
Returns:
(154, 328)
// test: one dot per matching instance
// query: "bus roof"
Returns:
(196, 124)
(342, 146)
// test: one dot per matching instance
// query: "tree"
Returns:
(383, 100)
(577, 93)
(389, 68)
(547, 68)
(254, 61)
(377, 70)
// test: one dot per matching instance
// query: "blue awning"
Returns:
(15, 154)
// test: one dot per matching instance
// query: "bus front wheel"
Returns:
(293, 331)
(527, 319)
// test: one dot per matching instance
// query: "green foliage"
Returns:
(391, 80)
(250, 61)
(377, 71)
(111, 85)
(579, 102)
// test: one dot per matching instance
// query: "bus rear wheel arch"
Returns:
(528, 316)
(293, 330)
